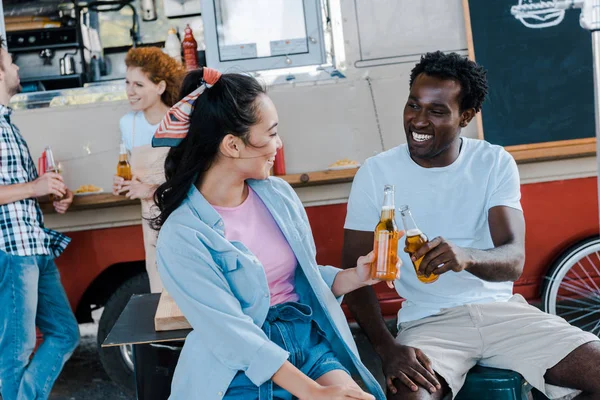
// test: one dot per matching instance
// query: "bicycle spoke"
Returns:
(583, 316)
(587, 274)
(582, 281)
(586, 325)
(595, 327)
(575, 300)
(577, 290)
(573, 285)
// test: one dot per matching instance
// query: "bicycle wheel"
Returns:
(572, 287)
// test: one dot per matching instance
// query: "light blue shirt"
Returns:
(221, 288)
(144, 131)
(451, 202)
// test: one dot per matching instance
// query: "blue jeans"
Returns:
(31, 295)
(290, 326)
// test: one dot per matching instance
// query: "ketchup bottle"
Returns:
(279, 166)
(190, 49)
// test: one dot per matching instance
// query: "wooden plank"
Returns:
(320, 177)
(471, 52)
(100, 200)
(553, 150)
(168, 316)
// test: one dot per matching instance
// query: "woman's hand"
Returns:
(338, 392)
(363, 270)
(138, 190)
(117, 185)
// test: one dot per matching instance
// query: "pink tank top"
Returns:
(252, 224)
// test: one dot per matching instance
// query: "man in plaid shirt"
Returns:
(31, 293)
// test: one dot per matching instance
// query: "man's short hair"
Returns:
(2, 46)
(470, 75)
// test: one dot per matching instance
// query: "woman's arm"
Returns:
(301, 386)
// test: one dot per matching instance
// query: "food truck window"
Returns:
(115, 26)
(263, 34)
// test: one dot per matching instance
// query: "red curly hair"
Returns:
(158, 66)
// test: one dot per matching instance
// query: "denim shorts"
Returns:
(291, 326)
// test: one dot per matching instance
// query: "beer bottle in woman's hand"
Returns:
(386, 240)
(123, 170)
(123, 167)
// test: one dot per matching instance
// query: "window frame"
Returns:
(315, 38)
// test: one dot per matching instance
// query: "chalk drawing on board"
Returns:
(537, 13)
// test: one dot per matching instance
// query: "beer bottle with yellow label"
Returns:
(415, 239)
(386, 240)
(123, 167)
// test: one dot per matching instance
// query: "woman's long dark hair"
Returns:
(229, 106)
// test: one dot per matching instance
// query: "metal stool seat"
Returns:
(484, 383)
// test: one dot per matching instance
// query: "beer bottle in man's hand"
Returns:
(415, 239)
(386, 240)
(52, 166)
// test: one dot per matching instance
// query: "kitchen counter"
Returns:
(108, 91)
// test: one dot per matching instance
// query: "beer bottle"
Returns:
(52, 166)
(415, 239)
(386, 240)
(123, 167)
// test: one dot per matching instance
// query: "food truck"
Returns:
(338, 72)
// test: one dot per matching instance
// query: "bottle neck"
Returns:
(409, 222)
(387, 213)
(122, 157)
(387, 208)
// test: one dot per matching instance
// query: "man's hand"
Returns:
(410, 366)
(49, 183)
(443, 254)
(62, 206)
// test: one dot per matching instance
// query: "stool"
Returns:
(484, 383)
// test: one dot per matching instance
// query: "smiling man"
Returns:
(465, 195)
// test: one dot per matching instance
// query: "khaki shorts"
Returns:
(509, 335)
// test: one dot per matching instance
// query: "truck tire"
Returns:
(118, 361)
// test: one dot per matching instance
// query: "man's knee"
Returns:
(67, 338)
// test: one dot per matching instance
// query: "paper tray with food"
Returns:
(86, 190)
(343, 164)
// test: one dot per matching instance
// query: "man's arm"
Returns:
(42, 186)
(407, 364)
(502, 263)
(11, 193)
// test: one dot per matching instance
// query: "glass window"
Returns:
(115, 26)
(263, 34)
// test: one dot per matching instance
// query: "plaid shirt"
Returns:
(22, 222)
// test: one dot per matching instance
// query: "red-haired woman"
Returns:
(153, 81)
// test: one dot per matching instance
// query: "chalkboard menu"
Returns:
(540, 79)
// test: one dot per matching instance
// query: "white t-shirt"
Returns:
(451, 202)
(144, 131)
